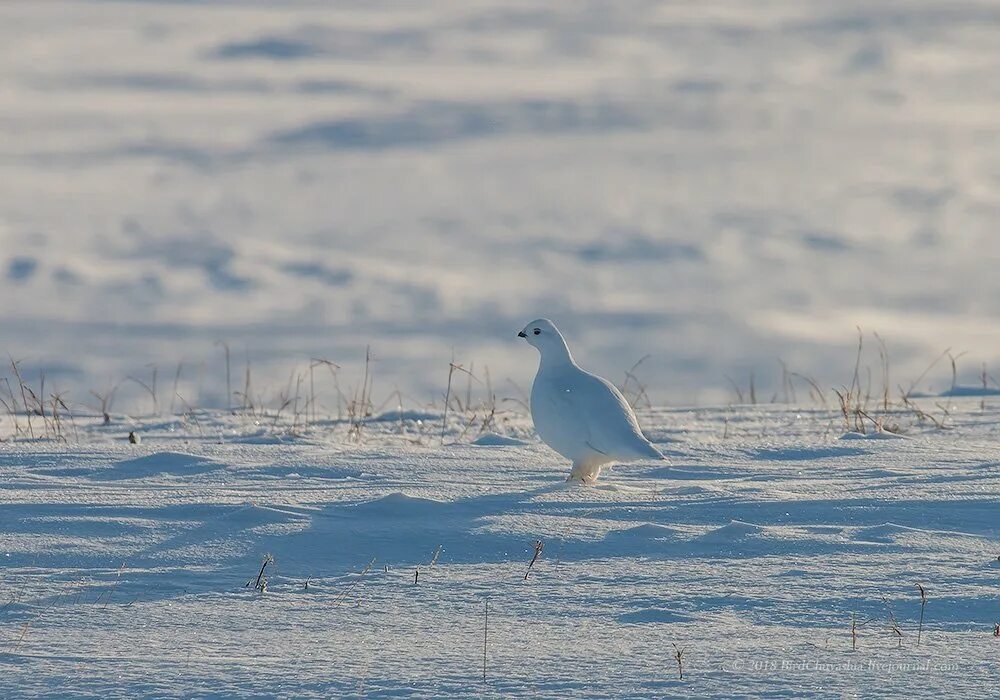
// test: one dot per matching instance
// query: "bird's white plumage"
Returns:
(581, 416)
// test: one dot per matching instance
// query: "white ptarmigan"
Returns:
(581, 416)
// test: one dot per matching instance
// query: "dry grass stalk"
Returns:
(177, 381)
(150, 388)
(315, 362)
(229, 375)
(893, 625)
(360, 406)
(260, 584)
(118, 579)
(923, 602)
(364, 572)
(15, 365)
(539, 545)
(107, 400)
(634, 390)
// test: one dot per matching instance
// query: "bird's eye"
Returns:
(537, 331)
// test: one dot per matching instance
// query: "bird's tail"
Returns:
(652, 452)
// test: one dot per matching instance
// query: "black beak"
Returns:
(521, 335)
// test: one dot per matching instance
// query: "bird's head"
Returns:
(542, 334)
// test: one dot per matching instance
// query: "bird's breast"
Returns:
(553, 420)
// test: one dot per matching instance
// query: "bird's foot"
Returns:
(586, 476)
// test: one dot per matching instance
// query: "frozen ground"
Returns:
(124, 566)
(716, 183)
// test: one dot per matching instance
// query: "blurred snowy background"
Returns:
(716, 184)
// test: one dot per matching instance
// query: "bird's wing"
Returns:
(601, 414)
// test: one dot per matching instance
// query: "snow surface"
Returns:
(716, 184)
(125, 568)
(719, 184)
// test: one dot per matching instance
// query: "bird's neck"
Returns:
(556, 354)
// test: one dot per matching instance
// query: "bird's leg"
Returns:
(585, 472)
